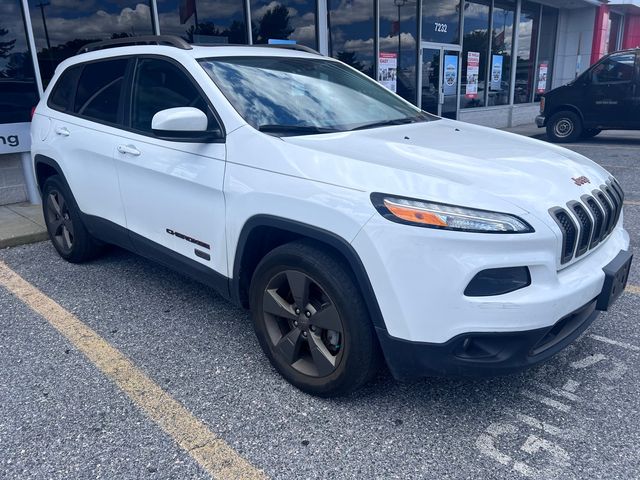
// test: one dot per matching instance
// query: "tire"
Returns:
(564, 127)
(591, 133)
(66, 231)
(329, 348)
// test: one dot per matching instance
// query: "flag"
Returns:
(187, 8)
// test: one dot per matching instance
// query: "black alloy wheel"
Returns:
(59, 221)
(312, 321)
(303, 324)
(64, 223)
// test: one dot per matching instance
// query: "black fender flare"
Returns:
(320, 235)
(40, 159)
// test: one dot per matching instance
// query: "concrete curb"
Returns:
(25, 239)
(21, 224)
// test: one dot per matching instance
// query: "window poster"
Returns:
(496, 72)
(387, 70)
(543, 70)
(473, 70)
(450, 74)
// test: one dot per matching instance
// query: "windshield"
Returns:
(301, 96)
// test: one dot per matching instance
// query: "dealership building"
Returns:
(480, 61)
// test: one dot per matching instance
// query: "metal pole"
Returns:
(155, 19)
(44, 22)
(247, 9)
(323, 28)
(32, 45)
(514, 55)
(27, 164)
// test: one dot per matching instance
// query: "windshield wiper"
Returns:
(389, 123)
(296, 129)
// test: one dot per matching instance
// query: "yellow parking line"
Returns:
(209, 450)
(633, 289)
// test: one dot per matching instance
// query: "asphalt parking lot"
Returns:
(65, 414)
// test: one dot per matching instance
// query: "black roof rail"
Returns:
(170, 40)
(290, 46)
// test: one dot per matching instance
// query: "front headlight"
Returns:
(446, 217)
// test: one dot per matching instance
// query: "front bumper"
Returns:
(483, 353)
(541, 121)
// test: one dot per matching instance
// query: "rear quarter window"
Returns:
(63, 92)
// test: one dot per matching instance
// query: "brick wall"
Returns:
(12, 185)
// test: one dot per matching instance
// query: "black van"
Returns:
(605, 97)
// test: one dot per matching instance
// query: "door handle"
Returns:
(128, 150)
(64, 131)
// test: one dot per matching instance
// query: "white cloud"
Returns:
(100, 24)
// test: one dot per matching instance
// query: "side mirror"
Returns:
(179, 121)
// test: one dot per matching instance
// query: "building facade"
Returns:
(480, 61)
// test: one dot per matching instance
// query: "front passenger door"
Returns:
(172, 188)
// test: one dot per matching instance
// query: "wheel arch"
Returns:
(262, 233)
(46, 167)
(568, 107)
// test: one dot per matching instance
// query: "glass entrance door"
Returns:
(440, 81)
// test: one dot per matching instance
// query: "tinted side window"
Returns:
(159, 85)
(617, 68)
(64, 91)
(99, 90)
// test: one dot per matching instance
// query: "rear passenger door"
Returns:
(86, 118)
(172, 188)
(610, 95)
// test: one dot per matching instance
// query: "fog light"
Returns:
(498, 281)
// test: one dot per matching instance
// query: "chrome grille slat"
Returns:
(608, 210)
(598, 216)
(585, 223)
(613, 195)
(586, 227)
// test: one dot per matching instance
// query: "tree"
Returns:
(276, 23)
(207, 29)
(6, 47)
(350, 58)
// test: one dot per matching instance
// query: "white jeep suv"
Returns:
(356, 227)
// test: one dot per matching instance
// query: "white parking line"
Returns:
(588, 361)
(627, 346)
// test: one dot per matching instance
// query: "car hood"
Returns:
(419, 158)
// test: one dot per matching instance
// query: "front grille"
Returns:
(569, 233)
(586, 223)
(586, 227)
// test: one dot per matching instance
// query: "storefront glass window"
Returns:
(18, 91)
(62, 27)
(501, 51)
(527, 47)
(544, 73)
(475, 53)
(284, 20)
(352, 33)
(204, 21)
(398, 46)
(441, 21)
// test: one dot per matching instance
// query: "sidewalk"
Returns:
(21, 223)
